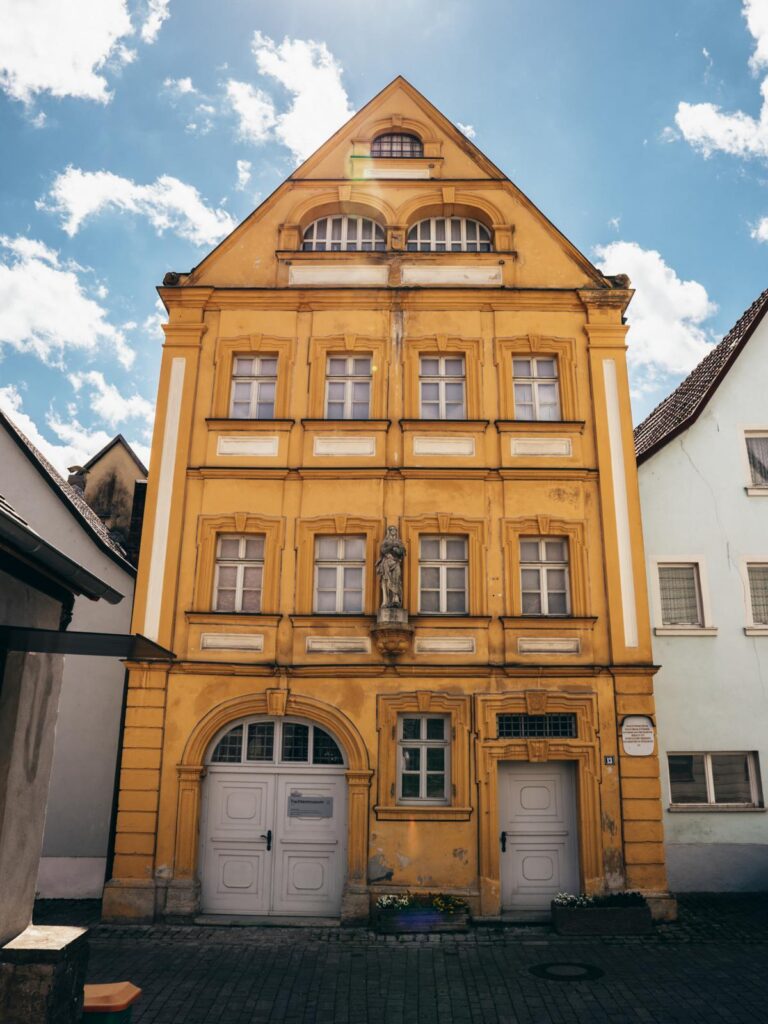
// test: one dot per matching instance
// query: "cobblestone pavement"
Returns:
(711, 966)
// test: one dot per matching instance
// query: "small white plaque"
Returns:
(445, 645)
(338, 644)
(547, 645)
(637, 736)
(433, 273)
(543, 446)
(339, 274)
(431, 444)
(245, 444)
(232, 641)
(343, 445)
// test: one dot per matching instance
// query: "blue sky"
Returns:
(137, 132)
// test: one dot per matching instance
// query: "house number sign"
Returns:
(300, 806)
(637, 736)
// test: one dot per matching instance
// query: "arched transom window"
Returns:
(344, 234)
(282, 741)
(449, 234)
(401, 144)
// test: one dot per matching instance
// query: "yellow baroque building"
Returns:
(396, 337)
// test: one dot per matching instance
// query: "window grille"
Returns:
(442, 385)
(758, 592)
(423, 758)
(680, 592)
(544, 576)
(757, 452)
(239, 573)
(324, 748)
(443, 575)
(292, 742)
(344, 234)
(449, 234)
(536, 389)
(229, 749)
(348, 387)
(397, 144)
(715, 779)
(520, 727)
(254, 381)
(261, 741)
(339, 574)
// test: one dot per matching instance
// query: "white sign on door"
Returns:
(637, 736)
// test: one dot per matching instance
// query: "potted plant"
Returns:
(615, 913)
(420, 912)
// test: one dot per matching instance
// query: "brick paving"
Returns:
(711, 966)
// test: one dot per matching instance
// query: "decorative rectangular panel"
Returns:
(232, 641)
(340, 274)
(543, 446)
(338, 644)
(341, 445)
(445, 645)
(432, 273)
(396, 172)
(547, 645)
(244, 444)
(431, 444)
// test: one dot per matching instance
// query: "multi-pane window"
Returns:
(348, 387)
(254, 380)
(443, 575)
(401, 144)
(442, 387)
(423, 753)
(282, 742)
(239, 572)
(680, 594)
(758, 592)
(344, 234)
(449, 234)
(544, 576)
(536, 390)
(536, 726)
(339, 574)
(718, 779)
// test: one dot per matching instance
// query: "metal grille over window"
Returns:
(715, 779)
(339, 574)
(520, 727)
(680, 595)
(344, 234)
(239, 573)
(423, 752)
(757, 451)
(348, 387)
(442, 383)
(758, 592)
(443, 575)
(536, 390)
(254, 379)
(229, 749)
(397, 144)
(544, 576)
(449, 234)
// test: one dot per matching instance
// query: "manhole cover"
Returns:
(566, 972)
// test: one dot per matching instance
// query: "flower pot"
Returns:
(412, 920)
(602, 920)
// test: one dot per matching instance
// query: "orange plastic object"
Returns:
(118, 995)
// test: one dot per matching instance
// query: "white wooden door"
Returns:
(273, 843)
(537, 820)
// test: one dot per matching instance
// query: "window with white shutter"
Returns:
(680, 593)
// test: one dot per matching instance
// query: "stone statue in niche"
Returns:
(389, 569)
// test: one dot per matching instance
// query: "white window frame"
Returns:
(441, 379)
(543, 566)
(277, 746)
(707, 628)
(311, 243)
(241, 563)
(256, 380)
(418, 243)
(340, 563)
(423, 745)
(348, 379)
(752, 489)
(534, 382)
(443, 564)
(753, 761)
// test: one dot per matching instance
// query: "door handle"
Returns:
(503, 842)
(268, 837)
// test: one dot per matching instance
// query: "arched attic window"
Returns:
(281, 741)
(344, 234)
(398, 144)
(449, 234)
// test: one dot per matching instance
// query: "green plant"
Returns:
(607, 899)
(443, 903)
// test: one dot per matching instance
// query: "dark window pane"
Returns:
(295, 742)
(261, 741)
(687, 779)
(410, 786)
(536, 726)
(731, 776)
(411, 728)
(325, 749)
(436, 786)
(229, 749)
(435, 728)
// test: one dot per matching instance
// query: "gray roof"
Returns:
(72, 498)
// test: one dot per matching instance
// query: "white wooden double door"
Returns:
(273, 843)
(539, 844)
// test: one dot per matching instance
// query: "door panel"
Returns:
(537, 811)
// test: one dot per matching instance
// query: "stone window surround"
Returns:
(348, 344)
(571, 530)
(208, 530)
(708, 628)
(247, 345)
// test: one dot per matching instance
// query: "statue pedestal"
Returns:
(392, 634)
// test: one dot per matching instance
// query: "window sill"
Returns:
(715, 808)
(685, 631)
(756, 630)
(428, 813)
(756, 492)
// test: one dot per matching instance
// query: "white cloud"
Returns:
(44, 308)
(107, 401)
(157, 13)
(254, 108)
(56, 47)
(183, 86)
(668, 333)
(168, 204)
(468, 129)
(243, 174)
(760, 231)
(615, 223)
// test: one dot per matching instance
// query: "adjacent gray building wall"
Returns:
(87, 732)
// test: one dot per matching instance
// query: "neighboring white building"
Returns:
(703, 469)
(79, 813)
